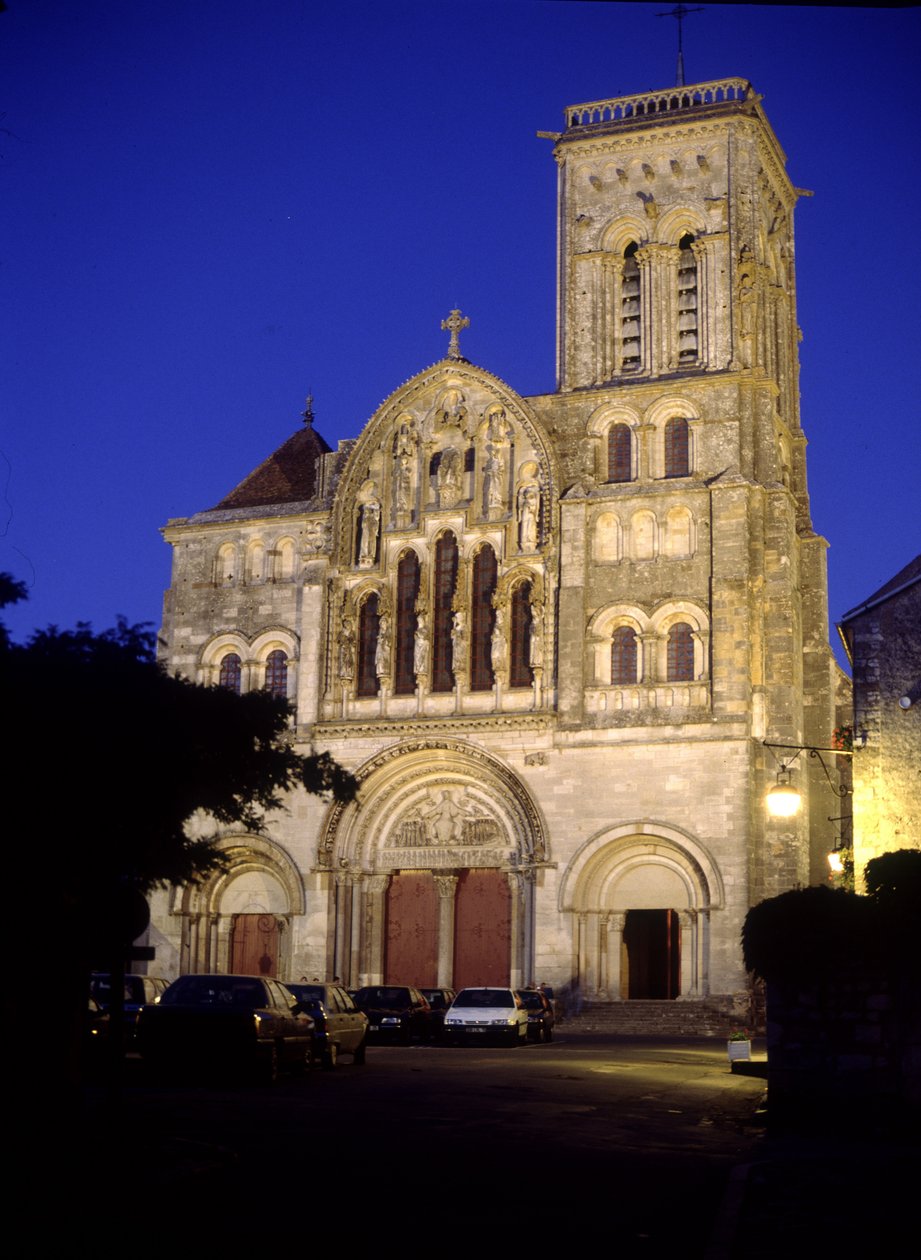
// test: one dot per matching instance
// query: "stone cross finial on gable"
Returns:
(453, 324)
(307, 413)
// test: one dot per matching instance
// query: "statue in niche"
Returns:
(493, 478)
(403, 483)
(347, 649)
(449, 478)
(528, 512)
(497, 643)
(370, 529)
(452, 410)
(459, 641)
(536, 649)
(421, 646)
(382, 650)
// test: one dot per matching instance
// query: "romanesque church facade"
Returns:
(549, 634)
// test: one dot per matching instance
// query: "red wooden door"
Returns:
(411, 940)
(482, 929)
(254, 945)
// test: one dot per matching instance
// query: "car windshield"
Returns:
(484, 997)
(382, 997)
(225, 991)
(306, 992)
(531, 1001)
(435, 999)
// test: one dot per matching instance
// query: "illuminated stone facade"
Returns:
(883, 640)
(549, 634)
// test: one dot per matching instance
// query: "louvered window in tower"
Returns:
(677, 448)
(630, 315)
(680, 663)
(620, 453)
(483, 618)
(687, 303)
(445, 580)
(368, 629)
(520, 674)
(404, 680)
(623, 656)
(276, 674)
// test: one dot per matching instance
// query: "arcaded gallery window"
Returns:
(620, 453)
(276, 674)
(483, 619)
(687, 303)
(368, 629)
(404, 681)
(231, 673)
(520, 672)
(445, 581)
(630, 323)
(680, 653)
(623, 656)
(677, 453)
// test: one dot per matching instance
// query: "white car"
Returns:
(485, 1015)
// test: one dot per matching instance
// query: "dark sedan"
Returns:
(396, 1012)
(339, 1027)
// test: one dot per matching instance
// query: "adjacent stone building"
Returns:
(549, 634)
(882, 637)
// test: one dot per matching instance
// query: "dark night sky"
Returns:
(212, 208)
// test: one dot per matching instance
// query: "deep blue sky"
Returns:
(211, 207)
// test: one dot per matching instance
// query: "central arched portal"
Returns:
(434, 870)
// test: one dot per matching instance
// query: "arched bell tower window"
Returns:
(687, 303)
(231, 672)
(483, 618)
(445, 581)
(404, 681)
(623, 655)
(620, 453)
(677, 448)
(368, 627)
(680, 656)
(520, 673)
(276, 674)
(630, 313)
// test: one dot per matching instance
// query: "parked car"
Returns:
(439, 1000)
(139, 991)
(339, 1027)
(487, 1014)
(248, 1024)
(396, 1012)
(540, 1014)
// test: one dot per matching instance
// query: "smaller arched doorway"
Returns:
(641, 900)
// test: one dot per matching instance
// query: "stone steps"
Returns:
(647, 1018)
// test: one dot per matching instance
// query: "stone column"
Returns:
(371, 969)
(614, 942)
(517, 961)
(447, 888)
(582, 951)
(649, 671)
(603, 956)
(343, 937)
(687, 920)
(350, 978)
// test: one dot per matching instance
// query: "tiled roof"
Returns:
(904, 577)
(287, 476)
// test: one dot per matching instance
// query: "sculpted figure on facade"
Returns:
(370, 532)
(449, 477)
(347, 650)
(497, 643)
(382, 649)
(459, 641)
(536, 649)
(421, 645)
(493, 481)
(445, 820)
(528, 514)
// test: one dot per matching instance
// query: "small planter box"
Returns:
(738, 1050)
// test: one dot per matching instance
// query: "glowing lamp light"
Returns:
(783, 800)
(836, 866)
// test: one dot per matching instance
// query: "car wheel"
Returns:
(330, 1055)
(359, 1055)
(548, 1034)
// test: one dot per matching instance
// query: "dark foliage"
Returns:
(807, 934)
(894, 879)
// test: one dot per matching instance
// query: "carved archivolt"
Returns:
(434, 804)
(243, 853)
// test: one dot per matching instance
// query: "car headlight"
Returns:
(391, 1019)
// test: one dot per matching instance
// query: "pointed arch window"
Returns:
(445, 582)
(367, 683)
(483, 617)
(631, 331)
(623, 656)
(276, 674)
(520, 672)
(620, 453)
(687, 303)
(231, 673)
(680, 655)
(677, 448)
(404, 680)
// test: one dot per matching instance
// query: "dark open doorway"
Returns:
(652, 945)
